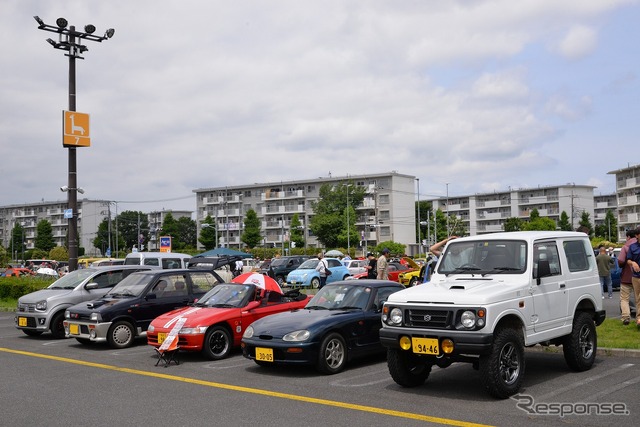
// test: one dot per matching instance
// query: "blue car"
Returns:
(340, 323)
(306, 274)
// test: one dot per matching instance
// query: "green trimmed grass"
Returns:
(8, 304)
(613, 334)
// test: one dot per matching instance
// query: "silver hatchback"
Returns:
(43, 310)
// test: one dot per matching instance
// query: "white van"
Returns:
(162, 260)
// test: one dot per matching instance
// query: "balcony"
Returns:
(629, 200)
(277, 195)
(629, 218)
(628, 183)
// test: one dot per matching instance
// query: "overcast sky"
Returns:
(482, 95)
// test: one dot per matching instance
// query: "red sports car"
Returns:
(215, 324)
(394, 268)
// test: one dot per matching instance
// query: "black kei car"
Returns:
(341, 322)
(126, 311)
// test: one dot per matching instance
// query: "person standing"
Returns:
(604, 263)
(437, 248)
(633, 261)
(382, 266)
(626, 285)
(372, 271)
(321, 268)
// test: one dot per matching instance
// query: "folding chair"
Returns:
(167, 353)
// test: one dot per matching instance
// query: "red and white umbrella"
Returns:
(261, 280)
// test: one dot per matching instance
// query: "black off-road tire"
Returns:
(502, 371)
(581, 345)
(407, 369)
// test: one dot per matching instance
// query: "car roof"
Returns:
(523, 235)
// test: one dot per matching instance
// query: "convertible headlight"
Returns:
(151, 328)
(96, 317)
(193, 331)
(395, 317)
(468, 319)
(297, 336)
(41, 305)
(248, 333)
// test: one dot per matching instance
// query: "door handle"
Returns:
(562, 285)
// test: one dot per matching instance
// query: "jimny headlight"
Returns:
(297, 336)
(468, 319)
(395, 317)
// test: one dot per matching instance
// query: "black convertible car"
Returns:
(340, 323)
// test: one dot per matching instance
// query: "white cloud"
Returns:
(579, 42)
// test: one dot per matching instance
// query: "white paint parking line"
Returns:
(584, 382)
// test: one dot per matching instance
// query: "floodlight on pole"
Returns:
(70, 41)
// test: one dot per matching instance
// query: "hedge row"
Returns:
(15, 287)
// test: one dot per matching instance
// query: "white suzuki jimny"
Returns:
(489, 297)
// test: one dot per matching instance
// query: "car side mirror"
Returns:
(90, 286)
(252, 305)
(151, 296)
(543, 270)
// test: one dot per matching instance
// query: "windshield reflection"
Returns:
(484, 257)
(335, 297)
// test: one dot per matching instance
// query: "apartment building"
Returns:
(628, 195)
(387, 211)
(486, 212)
(91, 213)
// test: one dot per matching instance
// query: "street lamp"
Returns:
(70, 41)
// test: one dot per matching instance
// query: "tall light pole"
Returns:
(419, 223)
(70, 41)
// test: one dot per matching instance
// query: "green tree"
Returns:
(132, 224)
(329, 218)
(394, 247)
(59, 253)
(534, 214)
(564, 223)
(296, 233)
(585, 222)
(513, 224)
(607, 230)
(101, 241)
(539, 223)
(17, 245)
(186, 234)
(252, 235)
(44, 236)
(4, 257)
(208, 234)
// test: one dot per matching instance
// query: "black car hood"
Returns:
(100, 304)
(280, 324)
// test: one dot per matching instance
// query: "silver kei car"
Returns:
(43, 310)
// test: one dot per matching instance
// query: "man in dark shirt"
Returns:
(372, 266)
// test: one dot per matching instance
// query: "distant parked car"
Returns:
(307, 275)
(17, 272)
(340, 323)
(280, 267)
(355, 266)
(43, 310)
(126, 311)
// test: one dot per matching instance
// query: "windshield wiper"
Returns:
(55, 287)
(223, 305)
(316, 307)
(499, 270)
(463, 270)
(347, 307)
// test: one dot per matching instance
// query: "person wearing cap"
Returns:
(633, 261)
(626, 285)
(382, 265)
(372, 271)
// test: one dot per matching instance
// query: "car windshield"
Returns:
(131, 286)
(340, 297)
(228, 295)
(484, 257)
(309, 264)
(278, 261)
(73, 279)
